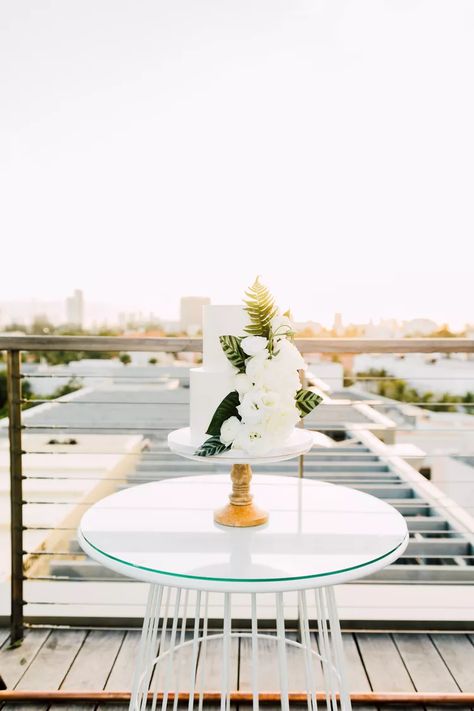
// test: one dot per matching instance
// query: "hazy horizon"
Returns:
(152, 149)
(102, 313)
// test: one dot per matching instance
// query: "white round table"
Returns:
(318, 535)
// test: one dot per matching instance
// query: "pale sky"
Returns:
(151, 149)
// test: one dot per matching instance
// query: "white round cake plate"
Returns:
(299, 442)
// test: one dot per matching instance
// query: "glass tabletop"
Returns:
(317, 534)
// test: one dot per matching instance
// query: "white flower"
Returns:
(251, 408)
(253, 345)
(242, 383)
(289, 356)
(270, 398)
(278, 376)
(281, 421)
(254, 439)
(230, 430)
(256, 366)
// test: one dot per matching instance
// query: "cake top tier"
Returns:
(220, 321)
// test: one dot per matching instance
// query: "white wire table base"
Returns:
(176, 639)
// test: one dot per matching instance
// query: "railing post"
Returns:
(304, 383)
(16, 494)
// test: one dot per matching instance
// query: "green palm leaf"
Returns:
(227, 408)
(231, 347)
(261, 308)
(306, 401)
(211, 446)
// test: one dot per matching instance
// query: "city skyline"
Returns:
(97, 314)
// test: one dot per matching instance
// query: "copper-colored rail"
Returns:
(371, 697)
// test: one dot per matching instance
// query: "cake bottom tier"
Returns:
(207, 390)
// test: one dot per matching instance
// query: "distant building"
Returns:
(337, 325)
(190, 314)
(308, 328)
(75, 309)
(386, 328)
(419, 327)
(25, 312)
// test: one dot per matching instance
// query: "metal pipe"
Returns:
(369, 697)
(16, 494)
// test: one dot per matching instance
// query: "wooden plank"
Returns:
(181, 661)
(50, 666)
(209, 671)
(15, 662)
(267, 661)
(357, 678)
(424, 664)
(458, 654)
(212, 661)
(4, 635)
(53, 661)
(92, 665)
(382, 661)
(121, 676)
(268, 667)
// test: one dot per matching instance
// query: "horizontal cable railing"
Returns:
(47, 500)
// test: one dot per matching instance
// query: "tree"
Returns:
(152, 361)
(125, 358)
(41, 326)
(26, 392)
(468, 401)
(14, 327)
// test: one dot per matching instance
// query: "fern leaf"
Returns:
(260, 306)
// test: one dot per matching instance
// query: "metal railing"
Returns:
(15, 345)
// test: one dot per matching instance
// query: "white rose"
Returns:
(242, 383)
(251, 408)
(270, 398)
(253, 345)
(279, 377)
(254, 439)
(289, 356)
(230, 429)
(255, 366)
(281, 421)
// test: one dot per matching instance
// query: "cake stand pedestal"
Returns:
(241, 512)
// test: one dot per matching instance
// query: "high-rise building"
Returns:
(75, 308)
(190, 315)
(337, 325)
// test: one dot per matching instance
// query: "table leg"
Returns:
(158, 648)
(331, 650)
(282, 661)
(308, 652)
(147, 650)
(225, 695)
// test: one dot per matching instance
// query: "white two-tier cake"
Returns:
(210, 383)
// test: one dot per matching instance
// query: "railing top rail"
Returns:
(177, 345)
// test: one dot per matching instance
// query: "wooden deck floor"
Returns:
(95, 659)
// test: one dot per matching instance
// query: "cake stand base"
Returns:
(241, 512)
